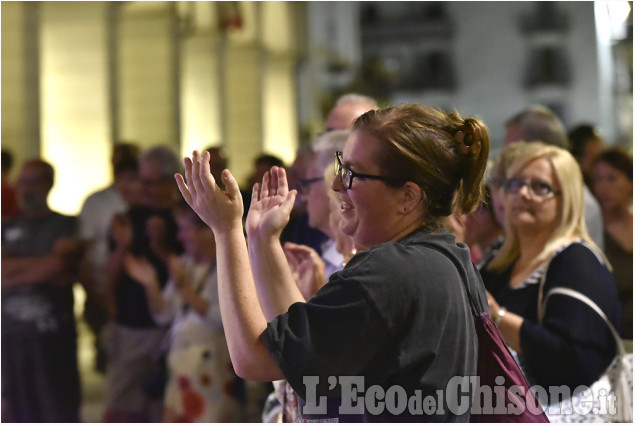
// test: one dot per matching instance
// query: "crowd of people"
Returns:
(212, 302)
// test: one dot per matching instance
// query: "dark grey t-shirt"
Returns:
(37, 308)
(398, 316)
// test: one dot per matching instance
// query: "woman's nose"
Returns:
(525, 191)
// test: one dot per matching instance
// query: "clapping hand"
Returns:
(271, 204)
(220, 209)
(141, 270)
(307, 267)
(178, 271)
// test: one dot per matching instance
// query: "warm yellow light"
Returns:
(200, 114)
(280, 129)
(75, 114)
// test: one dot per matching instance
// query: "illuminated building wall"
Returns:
(78, 76)
(75, 114)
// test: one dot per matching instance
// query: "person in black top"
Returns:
(613, 185)
(547, 246)
(149, 231)
(397, 316)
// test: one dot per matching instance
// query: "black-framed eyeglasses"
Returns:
(303, 184)
(537, 188)
(347, 175)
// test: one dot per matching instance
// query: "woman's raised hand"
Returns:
(271, 204)
(220, 209)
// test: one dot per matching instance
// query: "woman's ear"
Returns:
(411, 197)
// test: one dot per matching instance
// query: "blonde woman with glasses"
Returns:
(547, 246)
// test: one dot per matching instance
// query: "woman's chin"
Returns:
(348, 227)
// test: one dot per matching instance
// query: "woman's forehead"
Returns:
(360, 148)
(538, 166)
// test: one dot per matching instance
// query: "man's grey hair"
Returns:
(540, 124)
(170, 162)
(357, 98)
(326, 144)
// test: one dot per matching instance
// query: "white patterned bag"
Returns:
(611, 395)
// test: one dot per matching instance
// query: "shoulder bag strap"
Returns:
(541, 286)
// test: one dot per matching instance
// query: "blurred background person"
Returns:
(308, 267)
(346, 109)
(314, 193)
(40, 257)
(133, 339)
(493, 194)
(201, 385)
(585, 145)
(95, 217)
(539, 124)
(482, 229)
(298, 230)
(262, 165)
(10, 206)
(613, 184)
(547, 246)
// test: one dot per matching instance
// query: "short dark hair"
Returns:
(269, 159)
(619, 159)
(580, 136)
(6, 160)
(48, 172)
(540, 124)
(127, 164)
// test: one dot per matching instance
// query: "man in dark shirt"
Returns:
(134, 340)
(40, 255)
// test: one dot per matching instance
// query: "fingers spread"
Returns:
(183, 189)
(206, 175)
(274, 181)
(255, 193)
(196, 174)
(231, 185)
(283, 185)
(187, 162)
(287, 204)
(264, 190)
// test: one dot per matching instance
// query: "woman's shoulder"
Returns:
(410, 264)
(581, 265)
(407, 253)
(577, 252)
